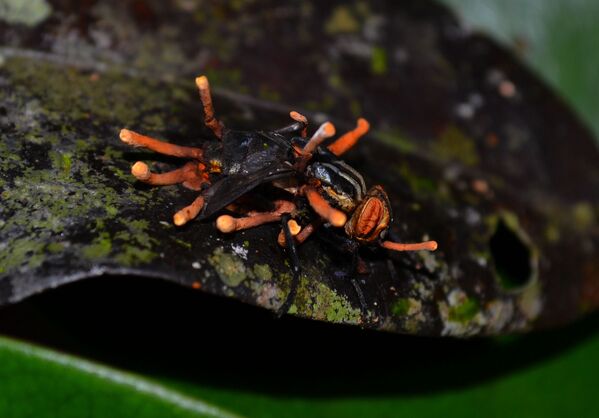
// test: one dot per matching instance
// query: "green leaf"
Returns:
(560, 386)
(35, 381)
(541, 375)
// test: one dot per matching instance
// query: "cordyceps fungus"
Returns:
(310, 175)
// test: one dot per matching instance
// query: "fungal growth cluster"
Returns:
(231, 173)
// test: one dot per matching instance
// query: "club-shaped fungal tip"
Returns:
(141, 171)
(328, 129)
(126, 136)
(180, 218)
(363, 125)
(294, 227)
(226, 224)
(338, 219)
(202, 82)
(298, 117)
(281, 238)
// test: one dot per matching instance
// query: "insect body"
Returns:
(228, 170)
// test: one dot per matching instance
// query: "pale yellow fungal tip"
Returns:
(226, 224)
(298, 117)
(141, 171)
(328, 129)
(338, 219)
(202, 82)
(363, 125)
(294, 227)
(180, 219)
(126, 136)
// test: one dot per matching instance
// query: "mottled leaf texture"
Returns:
(473, 150)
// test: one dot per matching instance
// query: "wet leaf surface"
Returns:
(473, 150)
(92, 390)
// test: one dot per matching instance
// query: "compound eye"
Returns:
(383, 233)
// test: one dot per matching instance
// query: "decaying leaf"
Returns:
(473, 150)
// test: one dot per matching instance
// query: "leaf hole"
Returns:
(512, 257)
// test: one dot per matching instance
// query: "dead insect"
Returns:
(226, 170)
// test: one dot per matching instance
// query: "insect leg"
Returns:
(345, 142)
(206, 98)
(335, 217)
(298, 117)
(192, 175)
(293, 128)
(358, 267)
(295, 265)
(228, 224)
(142, 141)
(300, 236)
(359, 292)
(301, 122)
(347, 245)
